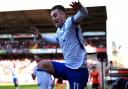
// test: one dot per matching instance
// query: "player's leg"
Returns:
(15, 82)
(51, 82)
(94, 86)
(46, 66)
(78, 78)
(43, 79)
(97, 86)
(55, 68)
(59, 70)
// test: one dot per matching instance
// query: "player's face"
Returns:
(37, 60)
(58, 17)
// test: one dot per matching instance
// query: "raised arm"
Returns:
(48, 38)
(36, 32)
(81, 11)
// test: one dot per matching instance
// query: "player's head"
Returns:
(93, 68)
(58, 15)
(37, 59)
(14, 65)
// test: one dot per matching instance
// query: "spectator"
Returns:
(94, 75)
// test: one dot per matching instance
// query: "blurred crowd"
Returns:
(24, 44)
(7, 44)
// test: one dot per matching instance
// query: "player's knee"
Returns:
(44, 65)
(41, 65)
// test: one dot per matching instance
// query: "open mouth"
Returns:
(56, 22)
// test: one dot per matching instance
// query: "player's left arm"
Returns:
(81, 11)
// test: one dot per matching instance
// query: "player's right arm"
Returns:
(48, 38)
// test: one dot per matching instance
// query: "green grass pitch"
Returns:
(11, 86)
(24, 86)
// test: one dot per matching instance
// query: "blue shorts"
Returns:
(15, 81)
(77, 78)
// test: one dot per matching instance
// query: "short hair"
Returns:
(59, 7)
(93, 67)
